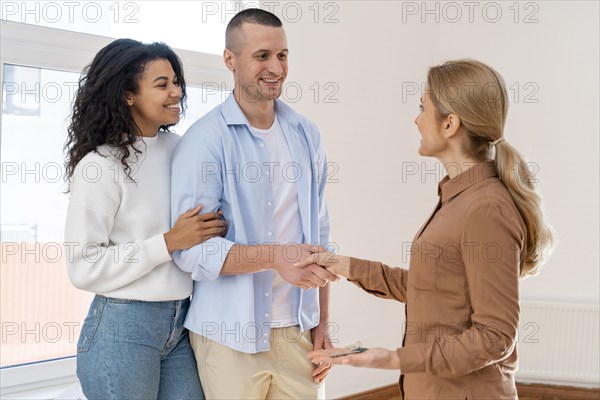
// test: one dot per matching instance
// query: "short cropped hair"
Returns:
(247, 16)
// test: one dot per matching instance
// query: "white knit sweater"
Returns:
(114, 231)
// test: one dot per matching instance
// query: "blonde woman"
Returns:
(461, 289)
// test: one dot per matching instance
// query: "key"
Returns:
(352, 349)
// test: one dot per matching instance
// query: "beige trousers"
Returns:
(284, 372)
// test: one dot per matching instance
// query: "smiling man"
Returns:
(254, 314)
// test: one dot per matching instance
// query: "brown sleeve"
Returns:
(491, 248)
(379, 279)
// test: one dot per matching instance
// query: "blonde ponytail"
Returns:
(517, 177)
(477, 94)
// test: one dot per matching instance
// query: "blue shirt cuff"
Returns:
(204, 261)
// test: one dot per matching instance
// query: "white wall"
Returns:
(371, 55)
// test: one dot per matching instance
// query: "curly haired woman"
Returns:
(133, 344)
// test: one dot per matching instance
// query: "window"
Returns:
(191, 25)
(41, 312)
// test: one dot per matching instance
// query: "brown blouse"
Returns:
(461, 292)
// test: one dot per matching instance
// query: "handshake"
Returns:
(316, 266)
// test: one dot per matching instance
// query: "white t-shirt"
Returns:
(286, 216)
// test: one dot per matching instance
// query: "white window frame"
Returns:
(49, 48)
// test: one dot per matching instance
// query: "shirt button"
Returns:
(268, 173)
(269, 233)
(265, 341)
(267, 294)
(269, 204)
(266, 334)
(261, 145)
(266, 316)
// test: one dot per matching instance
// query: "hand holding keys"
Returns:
(352, 349)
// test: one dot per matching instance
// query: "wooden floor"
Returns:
(526, 392)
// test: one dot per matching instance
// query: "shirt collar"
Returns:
(449, 188)
(234, 115)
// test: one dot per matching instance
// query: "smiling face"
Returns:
(157, 101)
(260, 65)
(433, 143)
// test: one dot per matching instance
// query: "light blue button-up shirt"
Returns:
(221, 164)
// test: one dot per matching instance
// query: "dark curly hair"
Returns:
(100, 114)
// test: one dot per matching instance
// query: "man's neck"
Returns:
(260, 114)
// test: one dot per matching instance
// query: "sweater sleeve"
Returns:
(491, 249)
(379, 279)
(94, 262)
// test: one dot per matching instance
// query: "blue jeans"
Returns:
(130, 349)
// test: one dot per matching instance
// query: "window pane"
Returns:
(191, 25)
(41, 312)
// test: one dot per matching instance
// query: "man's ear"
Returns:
(450, 125)
(229, 59)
